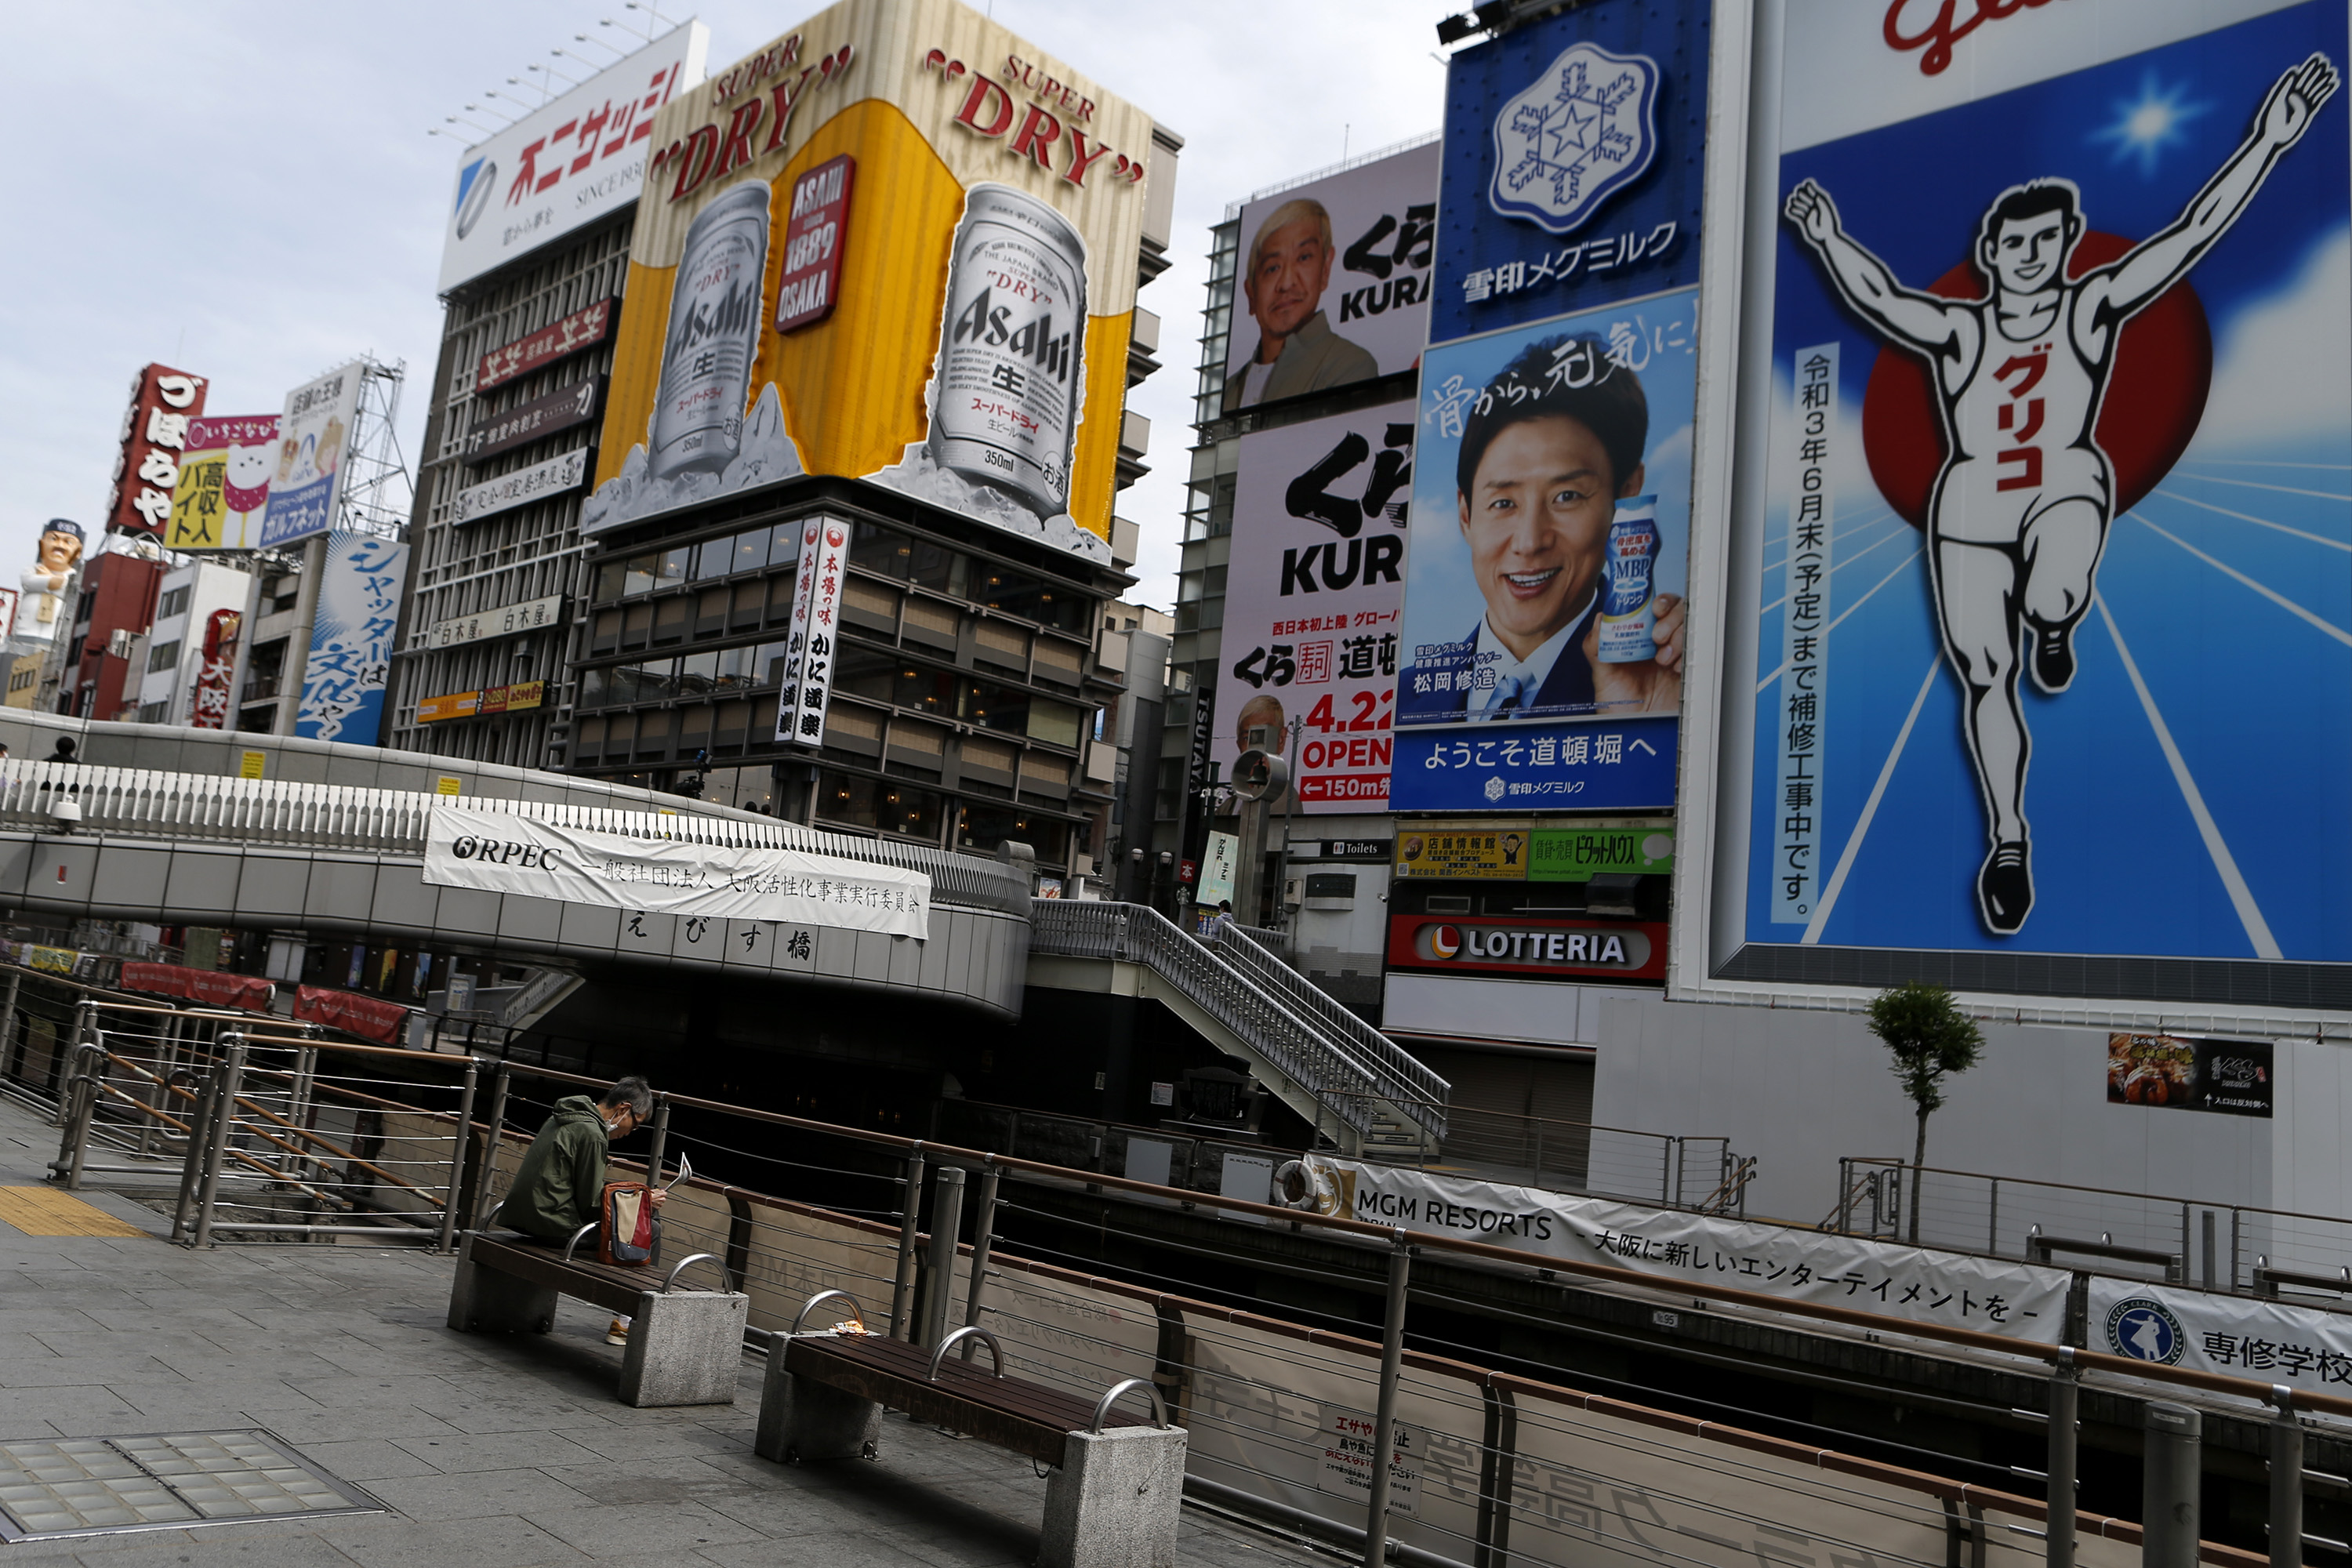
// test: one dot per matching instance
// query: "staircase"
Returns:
(1362, 1091)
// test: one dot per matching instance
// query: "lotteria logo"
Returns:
(1444, 942)
(1531, 946)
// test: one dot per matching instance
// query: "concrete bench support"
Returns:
(484, 1301)
(684, 1348)
(801, 1419)
(1115, 1501)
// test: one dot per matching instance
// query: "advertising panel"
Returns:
(2233, 1077)
(208, 699)
(1572, 165)
(496, 434)
(531, 616)
(1580, 853)
(2041, 462)
(1333, 280)
(1687, 1251)
(350, 639)
(1537, 946)
(1487, 851)
(1313, 597)
(499, 853)
(224, 483)
(154, 435)
(584, 329)
(975, 352)
(314, 433)
(2231, 1336)
(810, 635)
(572, 161)
(558, 474)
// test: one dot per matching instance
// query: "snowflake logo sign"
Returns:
(1584, 129)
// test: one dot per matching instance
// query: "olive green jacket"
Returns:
(562, 1176)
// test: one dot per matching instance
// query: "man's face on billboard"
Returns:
(1536, 521)
(1287, 284)
(2026, 255)
(60, 552)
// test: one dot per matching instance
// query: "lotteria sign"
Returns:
(1544, 947)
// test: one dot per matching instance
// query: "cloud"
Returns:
(2283, 371)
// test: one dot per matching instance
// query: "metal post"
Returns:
(461, 1138)
(298, 1102)
(8, 1022)
(2212, 1260)
(2168, 1512)
(2234, 1218)
(223, 1128)
(161, 1096)
(902, 1288)
(661, 1138)
(1845, 1194)
(2065, 1385)
(1497, 1467)
(490, 1146)
(193, 1167)
(1992, 1220)
(1666, 1169)
(89, 1072)
(2183, 1277)
(2286, 1479)
(947, 1219)
(1537, 1182)
(983, 1232)
(1376, 1518)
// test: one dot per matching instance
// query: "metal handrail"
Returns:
(139, 801)
(809, 1305)
(1244, 988)
(971, 1331)
(1111, 1395)
(692, 1258)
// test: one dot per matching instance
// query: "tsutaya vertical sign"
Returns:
(964, 342)
(814, 628)
(1804, 720)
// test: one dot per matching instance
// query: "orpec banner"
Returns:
(898, 243)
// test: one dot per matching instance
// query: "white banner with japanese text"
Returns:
(497, 853)
(1693, 1252)
(2234, 1336)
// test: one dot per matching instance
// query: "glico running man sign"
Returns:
(2037, 560)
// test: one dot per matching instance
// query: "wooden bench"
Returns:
(1113, 1498)
(686, 1347)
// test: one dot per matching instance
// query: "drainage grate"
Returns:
(52, 1487)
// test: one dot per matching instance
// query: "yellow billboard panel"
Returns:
(223, 484)
(898, 244)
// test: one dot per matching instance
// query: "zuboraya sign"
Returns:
(497, 853)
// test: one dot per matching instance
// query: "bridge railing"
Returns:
(146, 803)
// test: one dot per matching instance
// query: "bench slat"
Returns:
(615, 1289)
(1008, 1413)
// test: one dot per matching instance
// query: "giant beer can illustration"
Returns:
(714, 332)
(1012, 348)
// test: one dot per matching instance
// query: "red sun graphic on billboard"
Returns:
(2155, 397)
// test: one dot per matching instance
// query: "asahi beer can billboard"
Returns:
(970, 351)
(2029, 522)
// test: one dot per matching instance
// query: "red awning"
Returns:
(210, 988)
(369, 1016)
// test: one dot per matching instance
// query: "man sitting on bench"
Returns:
(562, 1180)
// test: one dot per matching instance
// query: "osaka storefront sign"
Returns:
(495, 852)
(1529, 947)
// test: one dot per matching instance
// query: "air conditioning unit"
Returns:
(118, 641)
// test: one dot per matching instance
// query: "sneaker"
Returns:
(618, 1335)
(2005, 888)
(2053, 659)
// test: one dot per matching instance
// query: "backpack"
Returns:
(628, 1232)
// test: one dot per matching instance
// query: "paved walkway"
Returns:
(487, 1452)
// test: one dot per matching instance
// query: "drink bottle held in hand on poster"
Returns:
(1013, 348)
(1629, 603)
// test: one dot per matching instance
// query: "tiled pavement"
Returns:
(487, 1452)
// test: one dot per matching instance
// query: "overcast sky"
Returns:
(246, 191)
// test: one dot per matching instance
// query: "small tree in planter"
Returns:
(1929, 1037)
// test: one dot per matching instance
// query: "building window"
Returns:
(175, 602)
(153, 712)
(983, 827)
(881, 806)
(164, 656)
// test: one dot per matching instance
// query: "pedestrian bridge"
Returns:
(168, 826)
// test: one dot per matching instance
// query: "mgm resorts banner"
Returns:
(1694, 1253)
(898, 243)
(2232, 1336)
(497, 853)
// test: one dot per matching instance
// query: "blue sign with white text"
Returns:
(1624, 766)
(1572, 178)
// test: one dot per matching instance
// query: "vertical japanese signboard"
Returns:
(2036, 571)
(1312, 600)
(351, 640)
(208, 695)
(314, 434)
(1545, 599)
(814, 629)
(154, 435)
(974, 353)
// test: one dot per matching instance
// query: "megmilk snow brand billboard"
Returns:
(1333, 283)
(305, 486)
(566, 163)
(2041, 578)
(974, 355)
(1313, 595)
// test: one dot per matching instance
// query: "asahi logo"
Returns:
(988, 320)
